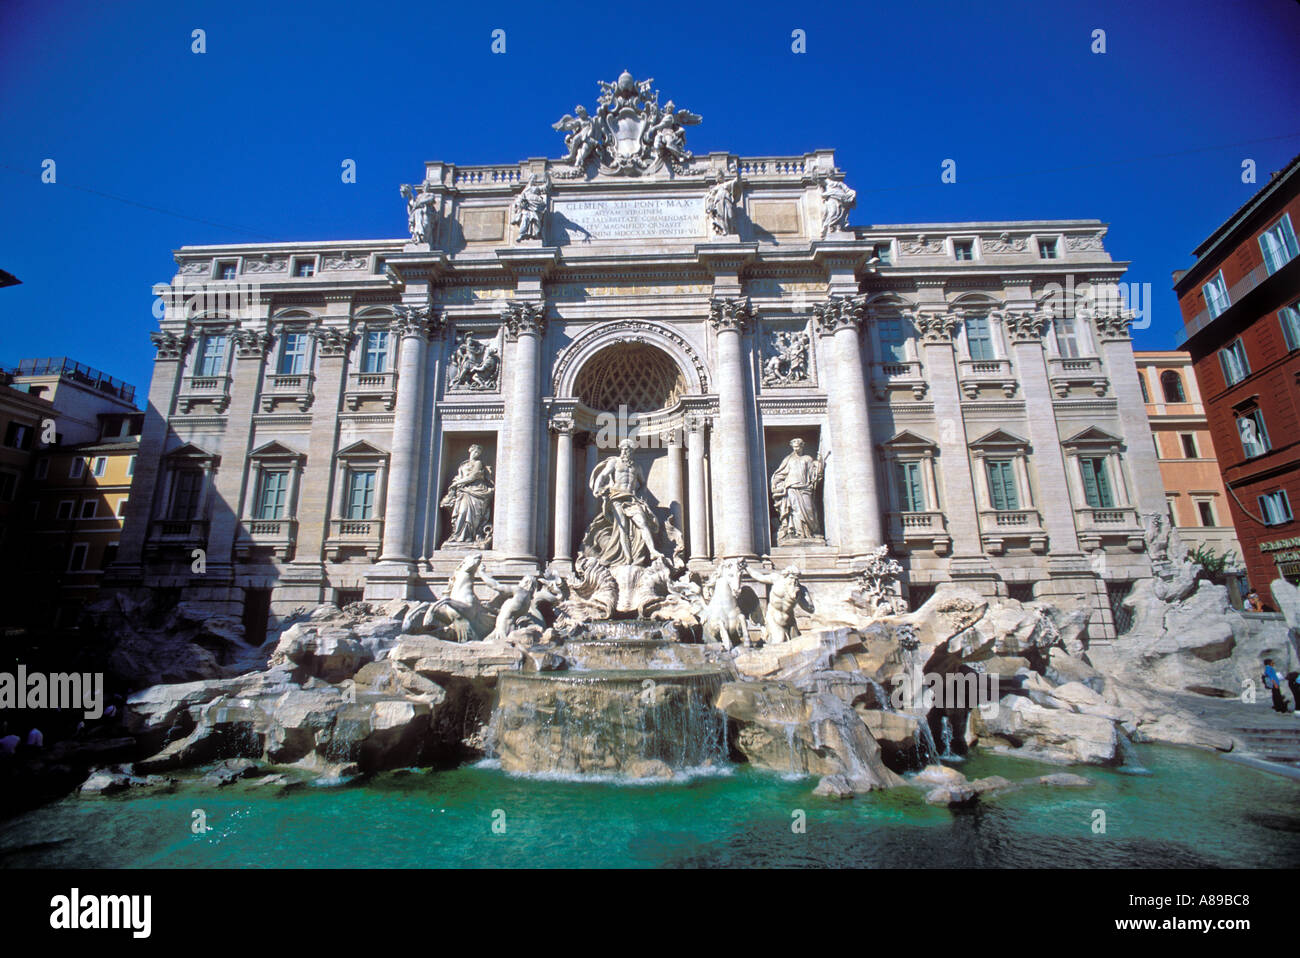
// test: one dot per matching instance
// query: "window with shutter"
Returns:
(911, 492)
(1002, 484)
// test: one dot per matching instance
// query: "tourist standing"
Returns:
(1273, 682)
(1293, 680)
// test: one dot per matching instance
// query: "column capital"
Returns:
(1023, 326)
(695, 423)
(332, 341)
(522, 319)
(734, 314)
(1111, 326)
(937, 326)
(171, 348)
(562, 424)
(251, 344)
(416, 320)
(839, 312)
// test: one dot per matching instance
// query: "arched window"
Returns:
(1172, 384)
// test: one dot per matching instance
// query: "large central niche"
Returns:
(640, 377)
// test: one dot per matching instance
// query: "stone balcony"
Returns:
(1022, 527)
(1084, 373)
(977, 375)
(920, 530)
(1100, 526)
(214, 390)
(356, 535)
(293, 389)
(179, 534)
(278, 535)
(887, 377)
(371, 387)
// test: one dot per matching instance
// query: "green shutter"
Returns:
(909, 485)
(1002, 485)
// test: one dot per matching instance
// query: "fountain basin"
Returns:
(623, 654)
(609, 722)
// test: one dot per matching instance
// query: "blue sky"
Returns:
(246, 140)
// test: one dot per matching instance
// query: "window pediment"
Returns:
(999, 440)
(361, 449)
(1094, 437)
(275, 450)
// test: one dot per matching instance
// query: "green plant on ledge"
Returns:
(1215, 565)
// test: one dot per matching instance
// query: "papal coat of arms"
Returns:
(630, 132)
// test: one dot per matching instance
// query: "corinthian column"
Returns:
(697, 512)
(525, 323)
(729, 318)
(562, 426)
(413, 327)
(841, 318)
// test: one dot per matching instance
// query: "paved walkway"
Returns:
(1264, 736)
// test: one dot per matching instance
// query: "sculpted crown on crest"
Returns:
(630, 133)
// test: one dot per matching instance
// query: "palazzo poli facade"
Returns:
(339, 420)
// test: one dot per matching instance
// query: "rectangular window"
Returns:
(1047, 249)
(1173, 517)
(1278, 244)
(65, 509)
(911, 493)
(361, 494)
(271, 499)
(212, 356)
(893, 340)
(964, 250)
(100, 467)
(1232, 358)
(374, 359)
(979, 338)
(1289, 317)
(18, 436)
(76, 468)
(187, 486)
(1206, 512)
(1067, 341)
(1002, 484)
(885, 253)
(1096, 484)
(110, 553)
(304, 267)
(1275, 507)
(226, 270)
(1216, 295)
(1254, 437)
(8, 486)
(130, 467)
(121, 506)
(77, 561)
(89, 507)
(1142, 384)
(1189, 446)
(42, 468)
(293, 354)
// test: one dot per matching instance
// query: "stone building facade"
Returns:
(314, 405)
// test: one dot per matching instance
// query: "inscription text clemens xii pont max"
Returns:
(630, 219)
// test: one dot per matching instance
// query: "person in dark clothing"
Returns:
(1273, 682)
(1293, 680)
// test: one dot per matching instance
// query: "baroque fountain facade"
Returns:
(638, 461)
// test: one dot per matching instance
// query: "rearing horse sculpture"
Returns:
(722, 618)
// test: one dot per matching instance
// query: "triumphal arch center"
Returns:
(635, 355)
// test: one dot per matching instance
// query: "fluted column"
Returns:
(148, 486)
(729, 318)
(412, 327)
(698, 514)
(936, 327)
(525, 323)
(562, 426)
(676, 485)
(860, 511)
(251, 347)
(1025, 332)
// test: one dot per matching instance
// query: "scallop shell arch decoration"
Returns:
(640, 377)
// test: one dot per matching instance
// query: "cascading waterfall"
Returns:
(633, 697)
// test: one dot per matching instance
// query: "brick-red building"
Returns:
(1241, 313)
